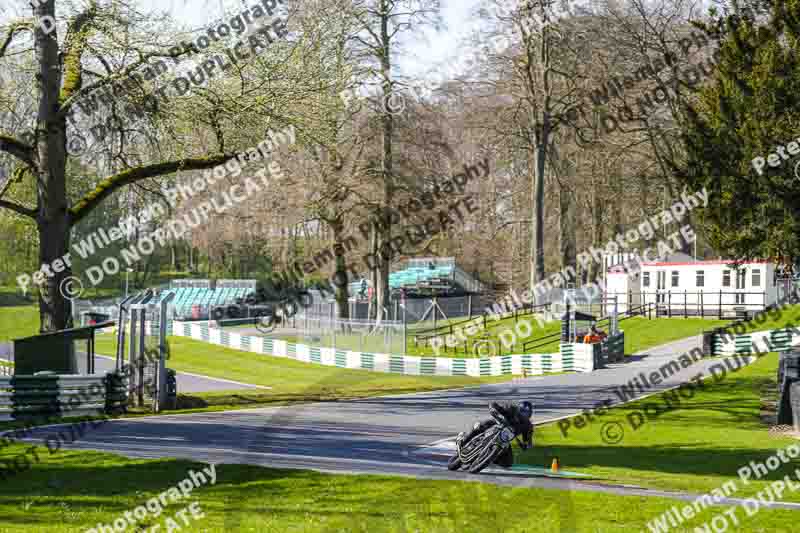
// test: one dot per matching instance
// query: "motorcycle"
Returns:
(484, 448)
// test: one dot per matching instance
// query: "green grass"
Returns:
(775, 319)
(291, 381)
(72, 491)
(491, 333)
(340, 341)
(641, 333)
(17, 322)
(695, 448)
(12, 296)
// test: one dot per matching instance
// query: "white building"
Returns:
(681, 286)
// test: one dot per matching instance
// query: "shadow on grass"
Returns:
(697, 459)
(267, 399)
(11, 297)
(712, 433)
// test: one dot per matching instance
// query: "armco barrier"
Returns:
(776, 340)
(52, 395)
(533, 364)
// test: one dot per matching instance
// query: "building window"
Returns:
(701, 278)
(756, 278)
(645, 279)
(726, 278)
(675, 279)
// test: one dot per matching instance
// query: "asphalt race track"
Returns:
(407, 435)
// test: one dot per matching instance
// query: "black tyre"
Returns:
(485, 460)
(454, 463)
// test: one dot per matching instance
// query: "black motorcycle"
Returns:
(484, 448)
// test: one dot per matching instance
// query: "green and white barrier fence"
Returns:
(776, 340)
(533, 364)
(588, 357)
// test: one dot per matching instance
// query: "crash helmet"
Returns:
(525, 408)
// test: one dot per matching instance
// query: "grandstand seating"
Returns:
(186, 297)
(417, 273)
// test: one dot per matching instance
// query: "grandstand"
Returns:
(428, 275)
(196, 299)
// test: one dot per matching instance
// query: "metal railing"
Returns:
(641, 310)
(425, 336)
(686, 304)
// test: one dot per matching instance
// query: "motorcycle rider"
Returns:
(518, 417)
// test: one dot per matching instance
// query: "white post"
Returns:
(127, 272)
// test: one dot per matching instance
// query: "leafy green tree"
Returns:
(751, 109)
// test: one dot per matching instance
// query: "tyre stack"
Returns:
(789, 389)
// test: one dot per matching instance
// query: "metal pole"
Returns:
(141, 359)
(160, 398)
(132, 353)
(405, 331)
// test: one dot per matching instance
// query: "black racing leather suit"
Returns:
(521, 425)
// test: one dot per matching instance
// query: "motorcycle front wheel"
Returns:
(454, 463)
(485, 460)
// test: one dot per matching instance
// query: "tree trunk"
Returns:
(373, 273)
(537, 230)
(567, 234)
(340, 277)
(387, 123)
(55, 308)
(597, 232)
(542, 137)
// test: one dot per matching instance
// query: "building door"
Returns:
(661, 285)
(740, 277)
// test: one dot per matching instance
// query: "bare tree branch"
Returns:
(15, 28)
(18, 149)
(18, 209)
(127, 177)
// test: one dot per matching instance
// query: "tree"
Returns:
(61, 80)
(749, 113)
(381, 24)
(104, 49)
(538, 72)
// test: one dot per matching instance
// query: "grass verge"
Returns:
(17, 322)
(291, 381)
(640, 334)
(75, 490)
(696, 447)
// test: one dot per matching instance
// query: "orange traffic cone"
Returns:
(555, 465)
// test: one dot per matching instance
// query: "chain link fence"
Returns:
(386, 336)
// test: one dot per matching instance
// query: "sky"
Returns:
(425, 50)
